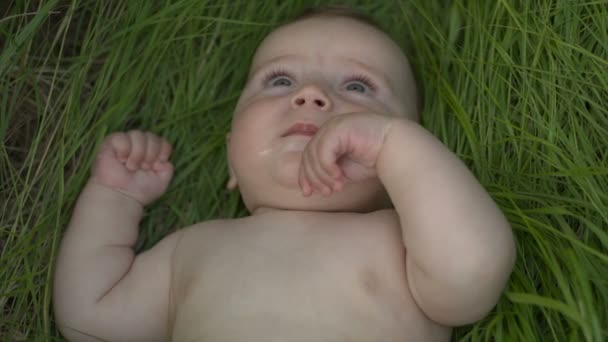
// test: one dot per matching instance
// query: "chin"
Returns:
(285, 173)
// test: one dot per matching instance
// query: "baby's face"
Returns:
(307, 72)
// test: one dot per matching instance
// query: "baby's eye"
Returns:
(361, 84)
(281, 82)
(278, 78)
(356, 86)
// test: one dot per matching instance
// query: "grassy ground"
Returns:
(518, 91)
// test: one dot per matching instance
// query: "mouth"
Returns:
(299, 128)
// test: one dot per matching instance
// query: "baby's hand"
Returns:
(134, 163)
(344, 149)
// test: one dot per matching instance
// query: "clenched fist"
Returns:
(345, 149)
(135, 163)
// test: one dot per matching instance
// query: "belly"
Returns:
(298, 287)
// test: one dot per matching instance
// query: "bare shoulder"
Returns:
(204, 230)
(197, 239)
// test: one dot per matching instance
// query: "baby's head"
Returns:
(324, 63)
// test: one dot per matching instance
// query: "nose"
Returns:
(313, 97)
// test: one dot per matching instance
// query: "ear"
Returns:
(232, 182)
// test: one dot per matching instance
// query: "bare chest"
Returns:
(295, 279)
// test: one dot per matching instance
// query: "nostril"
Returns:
(320, 103)
(300, 101)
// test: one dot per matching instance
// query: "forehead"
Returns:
(332, 40)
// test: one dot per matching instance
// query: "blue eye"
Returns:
(281, 82)
(361, 84)
(356, 86)
(277, 78)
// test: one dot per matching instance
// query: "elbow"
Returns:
(480, 285)
(485, 274)
(73, 324)
(70, 334)
(75, 331)
(68, 325)
(469, 291)
(479, 297)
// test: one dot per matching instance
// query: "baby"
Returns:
(363, 226)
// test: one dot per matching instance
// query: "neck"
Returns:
(263, 210)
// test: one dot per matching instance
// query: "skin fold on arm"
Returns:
(102, 290)
(460, 246)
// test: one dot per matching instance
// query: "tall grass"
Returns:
(517, 89)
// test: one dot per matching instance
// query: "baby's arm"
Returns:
(102, 290)
(460, 247)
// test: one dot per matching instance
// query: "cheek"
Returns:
(243, 143)
(351, 104)
(253, 127)
(259, 117)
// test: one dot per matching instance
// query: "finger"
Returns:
(310, 178)
(163, 155)
(329, 169)
(321, 172)
(314, 174)
(328, 161)
(307, 176)
(138, 149)
(165, 170)
(121, 145)
(320, 181)
(152, 150)
(338, 186)
(165, 150)
(303, 181)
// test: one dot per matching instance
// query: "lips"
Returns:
(301, 129)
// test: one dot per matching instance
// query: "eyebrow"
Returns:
(369, 69)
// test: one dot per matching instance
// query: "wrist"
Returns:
(115, 197)
(399, 144)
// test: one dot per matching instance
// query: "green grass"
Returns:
(518, 91)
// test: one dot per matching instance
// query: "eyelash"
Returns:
(281, 72)
(275, 73)
(363, 79)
